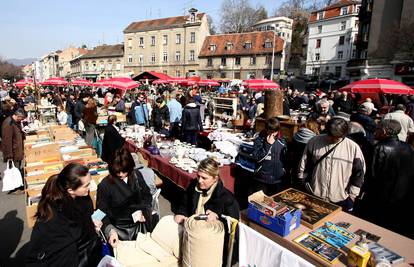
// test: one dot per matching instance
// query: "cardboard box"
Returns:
(33, 154)
(281, 224)
(39, 179)
(57, 164)
(358, 256)
(30, 213)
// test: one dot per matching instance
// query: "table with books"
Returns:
(330, 241)
(47, 152)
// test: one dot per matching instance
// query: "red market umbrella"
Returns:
(23, 82)
(123, 83)
(161, 81)
(260, 84)
(377, 86)
(208, 83)
(179, 80)
(81, 82)
(55, 81)
(102, 83)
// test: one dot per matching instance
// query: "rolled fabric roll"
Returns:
(203, 243)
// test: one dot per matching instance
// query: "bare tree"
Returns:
(9, 71)
(211, 25)
(240, 16)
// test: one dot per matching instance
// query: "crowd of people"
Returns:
(346, 152)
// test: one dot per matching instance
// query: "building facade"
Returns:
(103, 61)
(64, 58)
(241, 55)
(283, 27)
(332, 37)
(49, 65)
(169, 45)
(378, 54)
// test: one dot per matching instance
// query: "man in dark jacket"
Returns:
(363, 117)
(70, 109)
(269, 153)
(12, 138)
(78, 110)
(160, 114)
(343, 103)
(191, 122)
(389, 189)
(139, 111)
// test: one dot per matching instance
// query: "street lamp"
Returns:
(273, 50)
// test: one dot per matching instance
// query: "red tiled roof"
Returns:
(238, 40)
(333, 10)
(160, 24)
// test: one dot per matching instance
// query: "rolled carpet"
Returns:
(202, 243)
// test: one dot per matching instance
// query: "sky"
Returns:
(30, 28)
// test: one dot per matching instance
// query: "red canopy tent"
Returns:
(378, 86)
(23, 82)
(81, 82)
(161, 81)
(208, 83)
(102, 83)
(55, 81)
(260, 84)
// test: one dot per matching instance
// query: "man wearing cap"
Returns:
(363, 117)
(407, 124)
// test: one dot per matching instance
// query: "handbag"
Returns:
(97, 144)
(12, 177)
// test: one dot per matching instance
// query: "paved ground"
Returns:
(14, 233)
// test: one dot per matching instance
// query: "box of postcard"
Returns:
(275, 216)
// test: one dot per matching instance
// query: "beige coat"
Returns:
(338, 175)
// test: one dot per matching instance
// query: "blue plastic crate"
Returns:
(281, 225)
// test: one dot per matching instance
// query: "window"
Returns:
(237, 63)
(109, 66)
(268, 60)
(340, 55)
(344, 10)
(213, 47)
(315, 71)
(165, 71)
(118, 66)
(165, 39)
(319, 15)
(141, 59)
(192, 37)
(223, 61)
(327, 68)
(152, 40)
(129, 58)
(229, 46)
(237, 75)
(177, 56)
(248, 45)
(178, 38)
(268, 44)
(153, 58)
(353, 53)
(141, 41)
(223, 75)
(317, 56)
(252, 60)
(318, 43)
(341, 40)
(165, 57)
(192, 55)
(86, 66)
(343, 25)
(192, 18)
(364, 54)
(94, 65)
(129, 43)
(177, 73)
(338, 71)
(358, 8)
(320, 29)
(209, 62)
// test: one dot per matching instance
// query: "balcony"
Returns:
(356, 62)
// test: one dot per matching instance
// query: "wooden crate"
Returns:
(40, 178)
(45, 166)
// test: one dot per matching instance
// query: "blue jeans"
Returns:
(70, 122)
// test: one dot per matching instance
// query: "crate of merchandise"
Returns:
(275, 216)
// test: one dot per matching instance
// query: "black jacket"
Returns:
(191, 118)
(389, 190)
(222, 201)
(68, 239)
(112, 142)
(78, 111)
(367, 122)
(159, 115)
(119, 200)
(269, 158)
(70, 106)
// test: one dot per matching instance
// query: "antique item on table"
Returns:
(382, 253)
(343, 224)
(369, 236)
(333, 234)
(315, 211)
(319, 248)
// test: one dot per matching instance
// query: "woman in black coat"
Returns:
(64, 234)
(160, 114)
(112, 140)
(191, 122)
(125, 198)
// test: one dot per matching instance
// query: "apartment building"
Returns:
(168, 45)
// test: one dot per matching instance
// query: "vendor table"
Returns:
(181, 177)
(395, 242)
